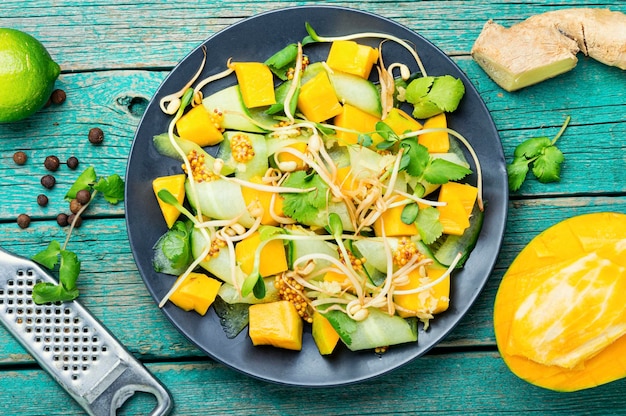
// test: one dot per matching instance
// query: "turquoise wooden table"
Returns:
(115, 54)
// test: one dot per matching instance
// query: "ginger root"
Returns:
(545, 45)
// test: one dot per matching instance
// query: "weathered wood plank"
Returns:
(451, 384)
(90, 35)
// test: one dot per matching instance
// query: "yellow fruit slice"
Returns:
(559, 315)
(176, 185)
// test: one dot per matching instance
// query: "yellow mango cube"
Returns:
(175, 184)
(400, 122)
(273, 258)
(264, 198)
(463, 191)
(201, 126)
(197, 292)
(277, 324)
(352, 58)
(393, 224)
(453, 216)
(317, 99)
(352, 118)
(288, 157)
(429, 301)
(256, 83)
(324, 335)
(439, 141)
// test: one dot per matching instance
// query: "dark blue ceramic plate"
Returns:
(255, 39)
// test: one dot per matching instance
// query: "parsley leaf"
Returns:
(304, 207)
(434, 95)
(112, 188)
(50, 256)
(419, 163)
(69, 269)
(281, 61)
(542, 154)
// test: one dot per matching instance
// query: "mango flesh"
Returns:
(559, 315)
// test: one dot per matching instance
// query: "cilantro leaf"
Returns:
(440, 171)
(45, 292)
(532, 147)
(304, 207)
(539, 154)
(69, 270)
(548, 166)
(84, 181)
(516, 172)
(428, 224)
(434, 95)
(415, 158)
(49, 256)
(112, 188)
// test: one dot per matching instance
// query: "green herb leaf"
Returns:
(428, 224)
(304, 207)
(112, 188)
(547, 167)
(335, 225)
(44, 292)
(282, 60)
(440, 171)
(434, 95)
(172, 252)
(312, 37)
(250, 282)
(364, 140)
(532, 147)
(409, 213)
(84, 181)
(516, 172)
(415, 158)
(259, 289)
(49, 256)
(69, 269)
(267, 231)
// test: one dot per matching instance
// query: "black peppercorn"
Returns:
(72, 162)
(83, 196)
(96, 135)
(23, 220)
(78, 222)
(62, 219)
(58, 96)
(48, 181)
(75, 206)
(20, 157)
(42, 200)
(51, 163)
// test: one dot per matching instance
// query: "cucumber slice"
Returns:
(446, 248)
(230, 295)
(220, 265)
(299, 248)
(358, 92)
(164, 146)
(373, 250)
(220, 199)
(377, 330)
(257, 166)
(236, 115)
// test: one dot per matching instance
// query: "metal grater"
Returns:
(69, 343)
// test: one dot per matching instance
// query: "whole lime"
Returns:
(27, 75)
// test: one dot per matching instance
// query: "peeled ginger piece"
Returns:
(545, 45)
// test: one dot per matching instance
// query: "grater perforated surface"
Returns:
(68, 342)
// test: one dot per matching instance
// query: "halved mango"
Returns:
(559, 315)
